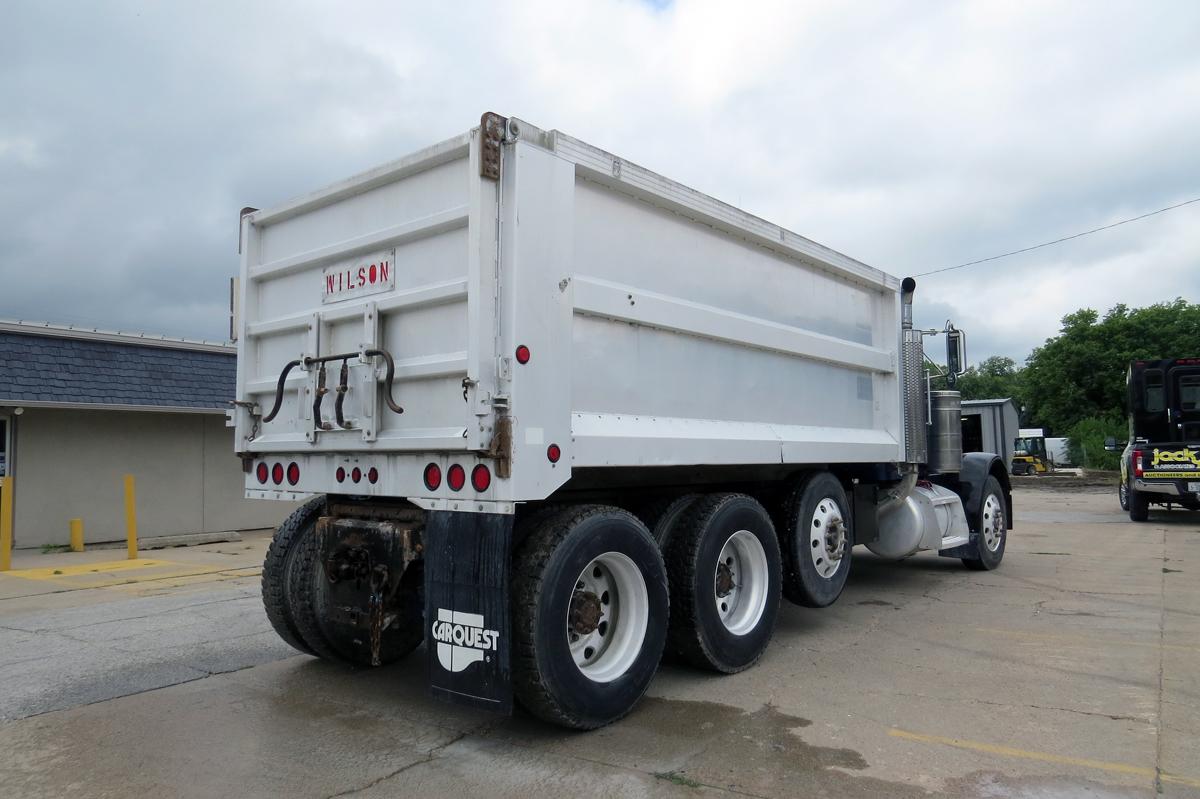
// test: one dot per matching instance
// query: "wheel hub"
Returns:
(585, 613)
(725, 583)
(827, 537)
(994, 524)
(607, 617)
(835, 538)
(740, 583)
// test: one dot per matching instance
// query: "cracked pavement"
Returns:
(1072, 671)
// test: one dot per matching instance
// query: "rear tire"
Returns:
(816, 537)
(277, 571)
(590, 611)
(1139, 505)
(351, 645)
(662, 517)
(725, 573)
(990, 528)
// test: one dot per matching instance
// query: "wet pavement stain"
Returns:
(879, 602)
(992, 785)
(758, 752)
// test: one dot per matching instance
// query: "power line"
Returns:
(1064, 238)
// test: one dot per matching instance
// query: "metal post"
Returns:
(6, 531)
(130, 518)
(77, 535)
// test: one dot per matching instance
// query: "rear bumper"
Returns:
(1174, 488)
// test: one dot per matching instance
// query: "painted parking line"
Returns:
(1045, 757)
(56, 572)
(139, 571)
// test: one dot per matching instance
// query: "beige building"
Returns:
(79, 409)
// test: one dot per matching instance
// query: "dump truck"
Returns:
(553, 416)
(1160, 463)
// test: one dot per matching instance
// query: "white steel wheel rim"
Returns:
(605, 651)
(827, 537)
(740, 582)
(992, 527)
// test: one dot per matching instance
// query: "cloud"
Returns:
(909, 137)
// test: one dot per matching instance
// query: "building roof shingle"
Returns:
(61, 369)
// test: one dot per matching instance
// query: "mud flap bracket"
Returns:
(468, 632)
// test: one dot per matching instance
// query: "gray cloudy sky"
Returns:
(909, 135)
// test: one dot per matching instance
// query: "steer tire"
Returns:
(725, 633)
(987, 541)
(277, 570)
(340, 643)
(548, 567)
(803, 582)
(1123, 490)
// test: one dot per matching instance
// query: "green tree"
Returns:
(994, 378)
(1085, 442)
(1080, 373)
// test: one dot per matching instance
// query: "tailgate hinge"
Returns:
(491, 135)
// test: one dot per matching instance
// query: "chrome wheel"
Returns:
(607, 617)
(827, 537)
(1123, 494)
(740, 582)
(993, 526)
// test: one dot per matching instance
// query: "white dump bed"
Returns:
(663, 328)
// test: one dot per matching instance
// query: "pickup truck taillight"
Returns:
(1137, 463)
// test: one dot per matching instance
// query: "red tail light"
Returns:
(277, 474)
(262, 473)
(433, 476)
(456, 477)
(481, 478)
(340, 474)
(356, 474)
(522, 354)
(372, 475)
(293, 474)
(553, 453)
(1137, 463)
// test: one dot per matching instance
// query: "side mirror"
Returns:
(1110, 444)
(956, 352)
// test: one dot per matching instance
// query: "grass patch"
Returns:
(50, 549)
(676, 778)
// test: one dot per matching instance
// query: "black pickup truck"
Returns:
(1161, 462)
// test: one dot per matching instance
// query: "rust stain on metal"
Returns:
(491, 129)
(501, 446)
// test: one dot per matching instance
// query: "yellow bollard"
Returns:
(77, 535)
(6, 510)
(130, 518)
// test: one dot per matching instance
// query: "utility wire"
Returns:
(1059, 241)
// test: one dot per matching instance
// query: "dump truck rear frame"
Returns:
(560, 413)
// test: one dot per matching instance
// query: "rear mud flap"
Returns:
(467, 620)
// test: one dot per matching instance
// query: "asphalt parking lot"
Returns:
(1072, 671)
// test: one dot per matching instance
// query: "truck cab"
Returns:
(1161, 461)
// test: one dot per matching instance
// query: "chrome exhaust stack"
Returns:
(912, 373)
